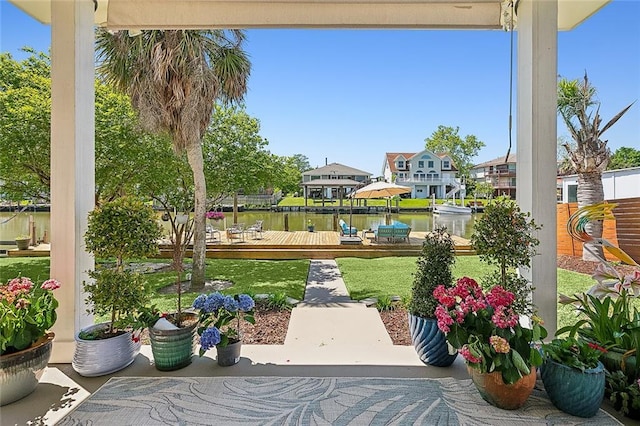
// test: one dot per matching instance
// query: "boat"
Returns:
(450, 208)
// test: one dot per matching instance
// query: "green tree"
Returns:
(291, 169)
(484, 189)
(446, 140)
(174, 77)
(589, 157)
(624, 158)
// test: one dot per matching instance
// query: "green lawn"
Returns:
(387, 276)
(248, 276)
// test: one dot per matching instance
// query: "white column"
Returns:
(72, 163)
(536, 139)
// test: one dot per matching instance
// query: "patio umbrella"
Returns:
(380, 190)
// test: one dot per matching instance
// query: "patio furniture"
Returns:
(255, 230)
(395, 232)
(213, 234)
(346, 230)
(236, 232)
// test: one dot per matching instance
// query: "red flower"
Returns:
(597, 347)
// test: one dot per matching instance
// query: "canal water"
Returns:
(12, 225)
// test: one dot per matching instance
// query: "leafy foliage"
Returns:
(623, 391)
(504, 236)
(446, 139)
(624, 157)
(434, 267)
(575, 353)
(124, 228)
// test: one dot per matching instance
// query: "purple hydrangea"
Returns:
(214, 302)
(209, 338)
(199, 302)
(245, 302)
(230, 304)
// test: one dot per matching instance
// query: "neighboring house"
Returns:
(617, 184)
(499, 173)
(425, 172)
(334, 180)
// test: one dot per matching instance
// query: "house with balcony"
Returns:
(333, 181)
(425, 172)
(500, 173)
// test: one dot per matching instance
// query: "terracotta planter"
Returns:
(173, 349)
(21, 371)
(573, 391)
(99, 357)
(430, 343)
(499, 394)
(230, 354)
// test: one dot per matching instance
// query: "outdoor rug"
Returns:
(307, 401)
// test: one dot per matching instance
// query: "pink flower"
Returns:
(22, 303)
(500, 297)
(444, 319)
(499, 344)
(504, 318)
(468, 356)
(443, 296)
(20, 285)
(50, 284)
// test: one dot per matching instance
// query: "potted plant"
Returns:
(23, 241)
(486, 331)
(27, 312)
(573, 376)
(121, 229)
(624, 393)
(310, 226)
(433, 268)
(219, 325)
(504, 236)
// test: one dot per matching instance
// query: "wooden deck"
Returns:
(294, 245)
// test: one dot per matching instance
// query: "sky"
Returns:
(350, 96)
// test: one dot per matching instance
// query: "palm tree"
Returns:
(589, 155)
(174, 79)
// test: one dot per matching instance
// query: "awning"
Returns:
(197, 14)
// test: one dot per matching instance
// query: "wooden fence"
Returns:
(623, 231)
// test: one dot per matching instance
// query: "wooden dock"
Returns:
(294, 245)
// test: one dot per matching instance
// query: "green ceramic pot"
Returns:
(173, 349)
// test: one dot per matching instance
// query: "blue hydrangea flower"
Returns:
(214, 302)
(230, 304)
(245, 302)
(209, 338)
(199, 302)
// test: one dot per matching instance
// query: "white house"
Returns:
(334, 180)
(500, 173)
(621, 183)
(425, 172)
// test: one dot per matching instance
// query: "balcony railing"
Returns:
(428, 180)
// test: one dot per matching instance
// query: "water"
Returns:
(461, 225)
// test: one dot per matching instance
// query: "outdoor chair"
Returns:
(255, 229)
(345, 230)
(213, 234)
(236, 232)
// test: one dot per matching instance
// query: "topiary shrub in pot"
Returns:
(122, 229)
(433, 269)
(504, 237)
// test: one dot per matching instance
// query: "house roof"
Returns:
(496, 161)
(392, 156)
(335, 168)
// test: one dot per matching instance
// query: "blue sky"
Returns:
(351, 95)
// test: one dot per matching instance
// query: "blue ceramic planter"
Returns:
(430, 343)
(573, 391)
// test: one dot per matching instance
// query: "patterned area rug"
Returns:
(307, 401)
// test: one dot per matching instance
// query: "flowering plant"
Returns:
(575, 353)
(624, 392)
(27, 311)
(486, 330)
(220, 317)
(215, 215)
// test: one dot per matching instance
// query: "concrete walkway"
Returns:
(329, 318)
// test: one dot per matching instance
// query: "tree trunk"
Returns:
(590, 192)
(235, 207)
(194, 155)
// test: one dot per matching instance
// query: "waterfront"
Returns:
(460, 225)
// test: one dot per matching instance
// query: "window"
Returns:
(431, 164)
(401, 164)
(421, 164)
(446, 164)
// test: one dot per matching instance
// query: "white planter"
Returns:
(100, 357)
(182, 218)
